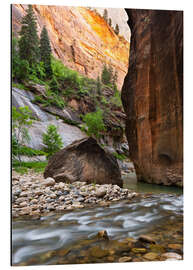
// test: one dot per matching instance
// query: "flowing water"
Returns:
(71, 237)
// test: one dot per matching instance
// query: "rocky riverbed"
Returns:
(35, 196)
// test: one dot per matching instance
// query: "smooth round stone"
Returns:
(20, 200)
(101, 192)
(23, 204)
(53, 196)
(175, 246)
(138, 250)
(49, 182)
(24, 194)
(98, 252)
(150, 256)
(38, 192)
(125, 259)
(80, 199)
(171, 255)
(61, 185)
(61, 198)
(146, 238)
(17, 192)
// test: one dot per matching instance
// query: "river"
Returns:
(71, 237)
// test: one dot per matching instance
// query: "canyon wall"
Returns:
(80, 38)
(152, 95)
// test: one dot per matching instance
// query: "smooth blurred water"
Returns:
(120, 220)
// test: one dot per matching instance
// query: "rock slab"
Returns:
(85, 161)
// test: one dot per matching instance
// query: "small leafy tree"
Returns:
(29, 41)
(52, 140)
(45, 52)
(21, 120)
(95, 124)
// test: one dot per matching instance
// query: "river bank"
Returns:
(35, 196)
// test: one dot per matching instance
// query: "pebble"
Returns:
(32, 194)
(171, 255)
(125, 259)
(138, 250)
(49, 182)
(101, 192)
(151, 256)
(34, 201)
(146, 238)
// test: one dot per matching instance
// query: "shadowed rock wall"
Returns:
(152, 95)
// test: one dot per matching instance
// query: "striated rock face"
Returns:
(152, 95)
(80, 38)
(85, 161)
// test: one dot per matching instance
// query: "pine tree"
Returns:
(110, 22)
(115, 77)
(98, 86)
(105, 15)
(107, 74)
(29, 41)
(117, 29)
(52, 140)
(45, 52)
(105, 77)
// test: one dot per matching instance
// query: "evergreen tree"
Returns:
(45, 52)
(105, 77)
(115, 77)
(110, 22)
(29, 41)
(98, 86)
(105, 15)
(52, 140)
(117, 29)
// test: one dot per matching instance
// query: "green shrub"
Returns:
(69, 92)
(52, 140)
(116, 99)
(104, 101)
(22, 167)
(19, 85)
(94, 123)
(119, 156)
(27, 151)
(54, 85)
(64, 74)
(83, 92)
(52, 98)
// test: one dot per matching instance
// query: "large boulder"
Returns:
(152, 95)
(84, 160)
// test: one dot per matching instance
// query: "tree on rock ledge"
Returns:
(45, 52)
(29, 41)
(117, 29)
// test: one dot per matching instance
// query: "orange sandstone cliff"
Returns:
(80, 38)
